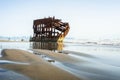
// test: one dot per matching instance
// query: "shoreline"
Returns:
(12, 41)
(41, 69)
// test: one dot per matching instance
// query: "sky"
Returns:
(88, 19)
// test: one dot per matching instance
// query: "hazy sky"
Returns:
(87, 18)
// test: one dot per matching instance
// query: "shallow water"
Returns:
(15, 45)
(12, 62)
(103, 65)
(11, 75)
(101, 61)
(102, 53)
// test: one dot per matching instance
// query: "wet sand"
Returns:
(64, 58)
(38, 68)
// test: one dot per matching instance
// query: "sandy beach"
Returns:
(36, 68)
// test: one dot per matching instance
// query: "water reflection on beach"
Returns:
(53, 46)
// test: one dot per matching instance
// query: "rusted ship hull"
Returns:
(49, 30)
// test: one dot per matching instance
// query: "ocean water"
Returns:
(105, 53)
(96, 62)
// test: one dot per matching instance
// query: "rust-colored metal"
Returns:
(48, 45)
(49, 30)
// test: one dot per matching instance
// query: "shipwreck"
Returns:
(49, 30)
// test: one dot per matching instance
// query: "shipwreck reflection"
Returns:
(48, 45)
